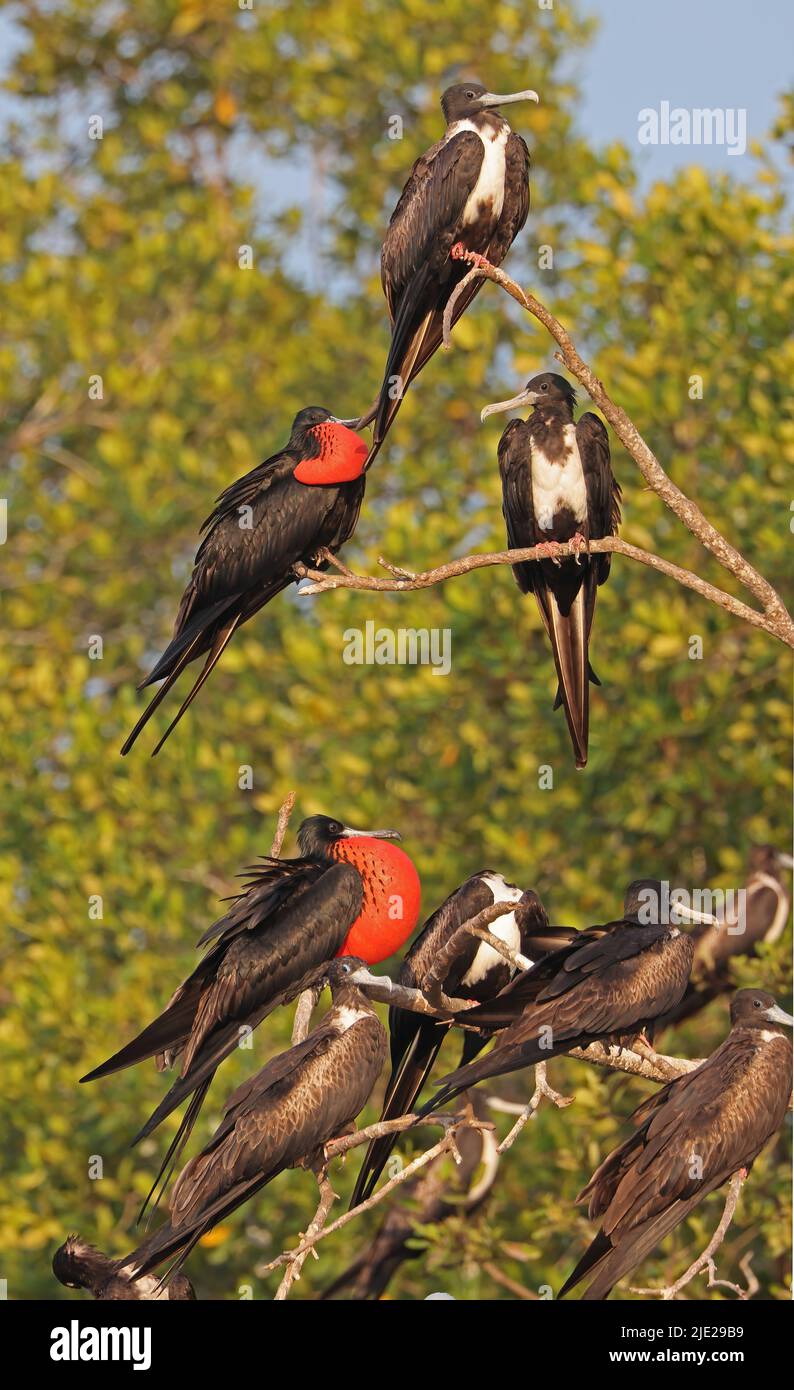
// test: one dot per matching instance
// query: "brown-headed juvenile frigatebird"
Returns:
(608, 985)
(285, 1114)
(349, 891)
(759, 917)
(691, 1137)
(300, 502)
(78, 1265)
(557, 485)
(467, 197)
(478, 972)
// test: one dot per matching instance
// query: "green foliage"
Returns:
(121, 261)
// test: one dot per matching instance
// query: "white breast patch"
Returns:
(347, 1016)
(558, 484)
(505, 927)
(490, 185)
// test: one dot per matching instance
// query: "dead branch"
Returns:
(293, 1271)
(386, 991)
(530, 1110)
(774, 617)
(478, 926)
(706, 1260)
(281, 825)
(447, 1144)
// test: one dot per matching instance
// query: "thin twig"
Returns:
(293, 1271)
(706, 1260)
(386, 991)
(281, 825)
(775, 618)
(447, 1144)
(529, 1111)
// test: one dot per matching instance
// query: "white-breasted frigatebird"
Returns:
(350, 891)
(478, 972)
(282, 1116)
(300, 502)
(608, 985)
(466, 198)
(558, 485)
(691, 1137)
(78, 1265)
(762, 917)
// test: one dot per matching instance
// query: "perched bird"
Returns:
(478, 972)
(608, 985)
(466, 199)
(441, 1190)
(692, 1135)
(78, 1265)
(557, 485)
(761, 917)
(298, 504)
(278, 936)
(283, 1116)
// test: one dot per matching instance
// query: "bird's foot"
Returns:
(578, 543)
(549, 550)
(460, 253)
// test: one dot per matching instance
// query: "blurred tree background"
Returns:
(141, 370)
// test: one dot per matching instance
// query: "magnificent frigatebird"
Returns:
(300, 502)
(557, 485)
(285, 1114)
(608, 985)
(479, 972)
(441, 1191)
(348, 892)
(761, 918)
(78, 1265)
(466, 198)
(692, 1135)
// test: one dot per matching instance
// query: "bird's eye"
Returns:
(471, 95)
(345, 969)
(757, 1003)
(544, 386)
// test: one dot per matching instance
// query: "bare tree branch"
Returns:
(478, 926)
(281, 825)
(775, 618)
(542, 1088)
(447, 1144)
(706, 1260)
(293, 1271)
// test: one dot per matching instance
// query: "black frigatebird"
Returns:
(441, 1191)
(479, 972)
(291, 919)
(78, 1265)
(300, 502)
(608, 985)
(284, 1114)
(761, 917)
(466, 198)
(558, 485)
(692, 1136)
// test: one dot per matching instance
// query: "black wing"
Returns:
(603, 491)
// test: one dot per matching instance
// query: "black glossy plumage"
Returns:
(609, 985)
(417, 273)
(78, 1265)
(723, 1113)
(565, 590)
(276, 938)
(248, 556)
(416, 1040)
(296, 1103)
